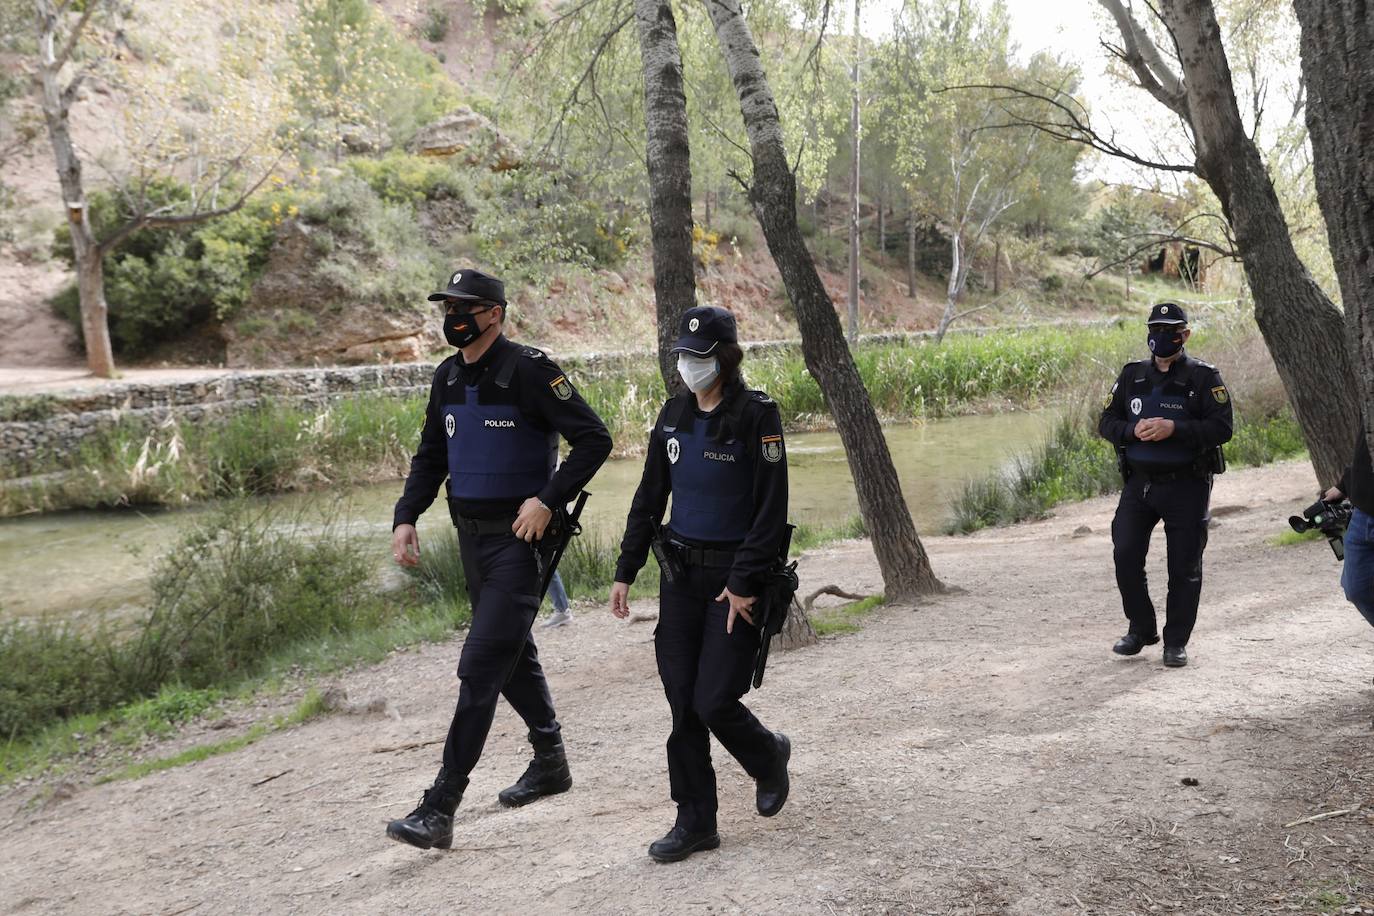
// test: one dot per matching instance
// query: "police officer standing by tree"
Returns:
(495, 412)
(718, 450)
(1168, 416)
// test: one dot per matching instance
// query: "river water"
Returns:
(73, 564)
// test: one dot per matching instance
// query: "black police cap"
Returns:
(472, 284)
(1167, 313)
(703, 328)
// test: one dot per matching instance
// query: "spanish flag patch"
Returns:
(772, 448)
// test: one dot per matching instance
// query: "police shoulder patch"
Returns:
(1220, 394)
(562, 388)
(772, 448)
(761, 397)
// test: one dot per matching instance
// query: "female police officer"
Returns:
(719, 451)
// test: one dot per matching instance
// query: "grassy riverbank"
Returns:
(245, 602)
(281, 448)
(1074, 463)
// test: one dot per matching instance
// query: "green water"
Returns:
(73, 564)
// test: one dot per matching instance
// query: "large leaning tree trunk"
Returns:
(1338, 66)
(670, 176)
(1302, 327)
(773, 195)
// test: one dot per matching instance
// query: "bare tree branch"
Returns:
(1140, 53)
(1073, 127)
(70, 47)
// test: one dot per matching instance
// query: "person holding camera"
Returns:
(1357, 485)
(1168, 417)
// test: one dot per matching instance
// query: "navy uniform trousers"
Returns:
(1182, 504)
(498, 657)
(705, 671)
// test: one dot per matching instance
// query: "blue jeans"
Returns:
(1358, 576)
(558, 595)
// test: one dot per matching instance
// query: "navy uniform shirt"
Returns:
(1194, 397)
(544, 397)
(760, 432)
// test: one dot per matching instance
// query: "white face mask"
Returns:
(698, 371)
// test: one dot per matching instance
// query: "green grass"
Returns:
(1290, 537)
(1076, 464)
(310, 707)
(809, 536)
(844, 619)
(278, 448)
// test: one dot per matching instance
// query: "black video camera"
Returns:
(1329, 518)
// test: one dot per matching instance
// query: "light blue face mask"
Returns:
(698, 371)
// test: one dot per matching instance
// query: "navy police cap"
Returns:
(703, 328)
(472, 284)
(1167, 313)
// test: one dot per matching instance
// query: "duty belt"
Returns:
(702, 556)
(1188, 473)
(483, 526)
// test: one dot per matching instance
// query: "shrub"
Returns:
(401, 178)
(160, 283)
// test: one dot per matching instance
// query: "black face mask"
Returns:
(461, 330)
(1166, 342)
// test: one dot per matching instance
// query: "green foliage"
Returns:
(372, 250)
(401, 178)
(436, 22)
(528, 220)
(159, 283)
(1290, 537)
(49, 671)
(352, 76)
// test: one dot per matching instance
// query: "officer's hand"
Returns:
(620, 599)
(739, 607)
(532, 519)
(1333, 495)
(405, 545)
(1162, 429)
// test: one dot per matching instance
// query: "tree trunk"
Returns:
(997, 265)
(670, 176)
(882, 223)
(901, 557)
(953, 287)
(1338, 66)
(797, 630)
(90, 273)
(1302, 328)
(854, 188)
(911, 251)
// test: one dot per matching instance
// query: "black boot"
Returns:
(547, 774)
(1175, 656)
(431, 824)
(681, 843)
(770, 793)
(1132, 643)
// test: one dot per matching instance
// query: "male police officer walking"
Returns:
(495, 412)
(1168, 416)
(718, 450)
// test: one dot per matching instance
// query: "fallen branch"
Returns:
(268, 779)
(406, 747)
(1311, 819)
(830, 590)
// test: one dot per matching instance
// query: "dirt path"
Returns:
(984, 753)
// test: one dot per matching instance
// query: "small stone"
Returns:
(1189, 780)
(1082, 531)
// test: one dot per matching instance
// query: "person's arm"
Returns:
(429, 466)
(646, 509)
(547, 392)
(1212, 425)
(1115, 425)
(759, 548)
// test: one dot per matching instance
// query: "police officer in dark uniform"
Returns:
(1168, 417)
(718, 449)
(496, 410)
